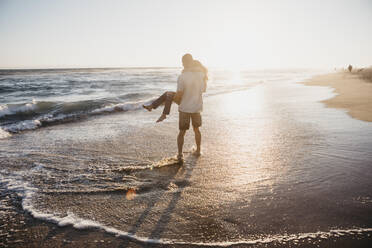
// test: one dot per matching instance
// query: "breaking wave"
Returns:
(29, 116)
(15, 118)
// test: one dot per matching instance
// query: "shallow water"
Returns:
(277, 167)
(30, 99)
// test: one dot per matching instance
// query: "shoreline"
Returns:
(353, 93)
(272, 175)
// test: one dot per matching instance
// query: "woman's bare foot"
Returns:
(148, 107)
(162, 118)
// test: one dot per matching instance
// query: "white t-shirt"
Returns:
(193, 85)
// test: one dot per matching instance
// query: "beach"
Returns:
(278, 169)
(353, 93)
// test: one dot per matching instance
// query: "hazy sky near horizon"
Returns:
(223, 33)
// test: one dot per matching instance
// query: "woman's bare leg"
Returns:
(167, 105)
(167, 99)
(156, 103)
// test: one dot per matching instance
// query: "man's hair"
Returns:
(187, 60)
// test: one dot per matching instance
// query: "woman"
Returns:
(169, 96)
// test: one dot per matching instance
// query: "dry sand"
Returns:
(353, 93)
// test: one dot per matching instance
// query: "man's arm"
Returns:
(204, 85)
(178, 97)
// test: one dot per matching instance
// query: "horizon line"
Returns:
(84, 68)
(168, 67)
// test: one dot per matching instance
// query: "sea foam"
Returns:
(14, 182)
(4, 134)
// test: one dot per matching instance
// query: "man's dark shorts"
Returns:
(184, 120)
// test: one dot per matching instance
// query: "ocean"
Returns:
(83, 164)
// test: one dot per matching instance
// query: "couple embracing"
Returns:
(191, 85)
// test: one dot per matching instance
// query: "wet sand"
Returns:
(278, 170)
(353, 93)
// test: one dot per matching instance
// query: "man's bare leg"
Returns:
(197, 140)
(180, 140)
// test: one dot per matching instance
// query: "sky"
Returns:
(220, 33)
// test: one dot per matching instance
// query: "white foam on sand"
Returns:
(23, 125)
(4, 134)
(14, 182)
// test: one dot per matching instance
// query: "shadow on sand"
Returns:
(171, 170)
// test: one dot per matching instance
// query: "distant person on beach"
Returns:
(191, 85)
(350, 68)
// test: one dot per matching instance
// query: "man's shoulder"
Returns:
(191, 74)
(180, 78)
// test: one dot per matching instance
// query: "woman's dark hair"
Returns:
(198, 64)
(191, 64)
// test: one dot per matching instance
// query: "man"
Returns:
(190, 87)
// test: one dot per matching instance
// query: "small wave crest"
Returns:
(12, 109)
(128, 106)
